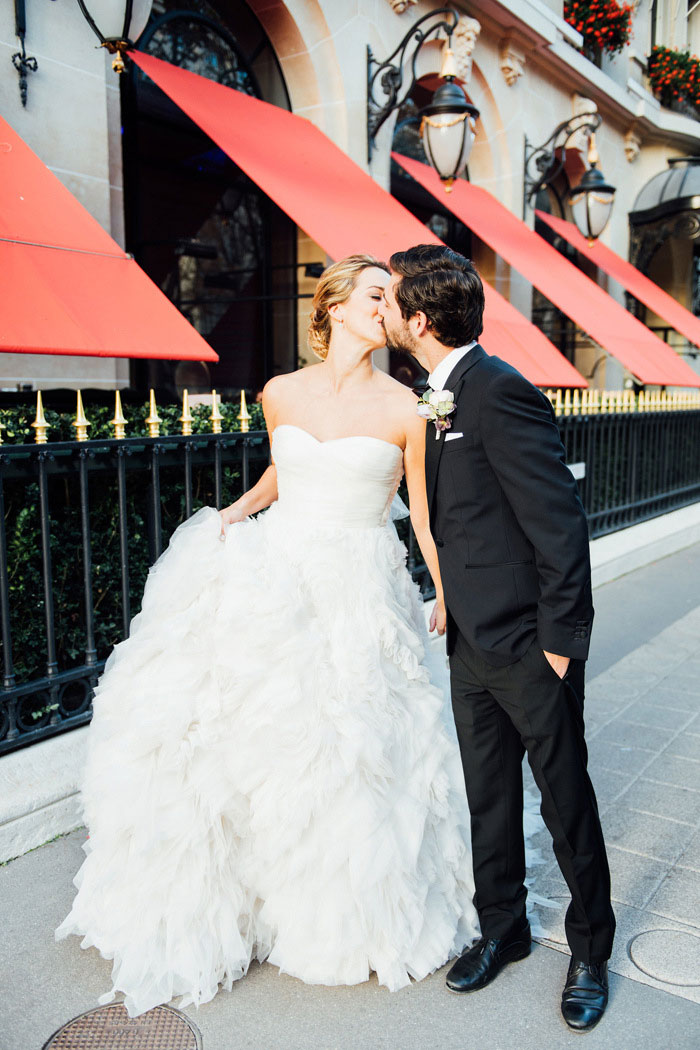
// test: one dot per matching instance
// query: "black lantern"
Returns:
(447, 124)
(592, 200)
(117, 24)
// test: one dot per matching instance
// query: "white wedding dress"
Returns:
(272, 771)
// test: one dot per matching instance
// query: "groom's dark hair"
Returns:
(443, 285)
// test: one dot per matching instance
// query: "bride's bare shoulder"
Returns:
(394, 389)
(401, 403)
(282, 388)
(400, 395)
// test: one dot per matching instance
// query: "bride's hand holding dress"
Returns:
(256, 499)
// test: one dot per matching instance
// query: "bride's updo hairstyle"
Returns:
(335, 285)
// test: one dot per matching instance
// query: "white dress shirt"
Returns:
(438, 377)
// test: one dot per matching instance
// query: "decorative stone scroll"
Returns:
(511, 61)
(582, 106)
(633, 145)
(399, 6)
(464, 41)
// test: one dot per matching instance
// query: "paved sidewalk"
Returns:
(643, 714)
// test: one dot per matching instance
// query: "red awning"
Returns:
(593, 310)
(334, 200)
(67, 287)
(629, 277)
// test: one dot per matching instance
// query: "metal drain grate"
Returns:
(111, 1028)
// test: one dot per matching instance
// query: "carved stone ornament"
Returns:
(399, 6)
(511, 60)
(581, 107)
(464, 41)
(633, 145)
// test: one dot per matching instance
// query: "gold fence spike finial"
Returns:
(153, 420)
(81, 422)
(216, 416)
(40, 425)
(119, 421)
(558, 408)
(244, 415)
(186, 417)
(567, 402)
(576, 406)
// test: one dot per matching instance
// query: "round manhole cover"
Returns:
(671, 956)
(111, 1028)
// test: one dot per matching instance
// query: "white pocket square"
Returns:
(452, 435)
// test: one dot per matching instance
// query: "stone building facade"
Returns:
(520, 63)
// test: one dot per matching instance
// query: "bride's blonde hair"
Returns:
(334, 286)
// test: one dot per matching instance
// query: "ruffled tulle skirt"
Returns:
(272, 772)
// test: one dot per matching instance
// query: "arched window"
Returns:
(208, 237)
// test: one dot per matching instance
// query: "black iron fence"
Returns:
(81, 521)
(637, 464)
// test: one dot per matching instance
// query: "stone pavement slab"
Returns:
(690, 858)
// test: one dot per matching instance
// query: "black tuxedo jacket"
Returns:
(510, 529)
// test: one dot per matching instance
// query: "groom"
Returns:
(513, 551)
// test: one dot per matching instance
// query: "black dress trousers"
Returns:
(501, 713)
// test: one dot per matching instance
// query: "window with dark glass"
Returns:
(202, 230)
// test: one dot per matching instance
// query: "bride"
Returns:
(272, 772)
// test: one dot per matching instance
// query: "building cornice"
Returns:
(534, 22)
(554, 43)
(631, 102)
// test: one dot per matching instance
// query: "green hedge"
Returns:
(18, 430)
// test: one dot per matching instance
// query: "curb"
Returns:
(629, 549)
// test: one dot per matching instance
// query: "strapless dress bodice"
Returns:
(346, 482)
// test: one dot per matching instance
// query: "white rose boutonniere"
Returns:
(437, 406)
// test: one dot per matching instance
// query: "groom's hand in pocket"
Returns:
(438, 617)
(560, 664)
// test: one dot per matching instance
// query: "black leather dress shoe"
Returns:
(485, 960)
(585, 994)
